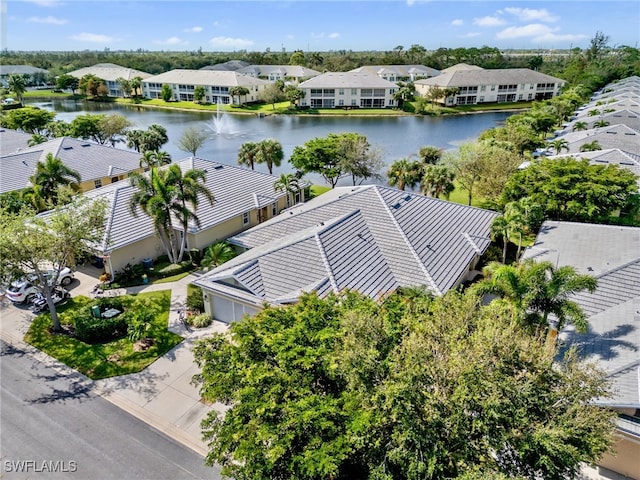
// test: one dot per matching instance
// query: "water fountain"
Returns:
(222, 124)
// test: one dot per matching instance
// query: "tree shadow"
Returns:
(606, 346)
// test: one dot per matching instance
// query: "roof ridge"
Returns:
(325, 261)
(427, 275)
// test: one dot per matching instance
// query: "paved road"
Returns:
(54, 422)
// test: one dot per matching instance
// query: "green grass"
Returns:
(173, 278)
(50, 94)
(318, 190)
(461, 196)
(110, 359)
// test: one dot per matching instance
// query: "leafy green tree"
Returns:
(357, 158)
(17, 85)
(247, 155)
(238, 91)
(67, 82)
(100, 128)
(468, 164)
(320, 155)
(437, 181)
(28, 119)
(166, 93)
(411, 388)
(600, 124)
(198, 94)
(191, 140)
(37, 139)
(270, 153)
(151, 139)
(288, 183)
(217, 254)
(29, 242)
(50, 175)
(297, 58)
(57, 129)
(293, 94)
(404, 173)
(272, 94)
(125, 86)
(89, 84)
(572, 190)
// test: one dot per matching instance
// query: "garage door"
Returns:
(226, 310)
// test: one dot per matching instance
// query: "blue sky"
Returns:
(312, 25)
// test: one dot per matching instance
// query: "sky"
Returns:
(312, 25)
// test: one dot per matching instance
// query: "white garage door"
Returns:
(228, 311)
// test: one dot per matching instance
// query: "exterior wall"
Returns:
(149, 247)
(227, 309)
(626, 459)
(100, 182)
(474, 94)
(212, 93)
(348, 97)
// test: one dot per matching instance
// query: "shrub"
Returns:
(200, 321)
(170, 269)
(195, 300)
(90, 329)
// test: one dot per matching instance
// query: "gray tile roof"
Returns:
(614, 136)
(109, 71)
(234, 189)
(620, 116)
(12, 140)
(462, 78)
(612, 255)
(422, 240)
(399, 70)
(612, 156)
(296, 71)
(347, 80)
(223, 78)
(20, 70)
(231, 65)
(91, 160)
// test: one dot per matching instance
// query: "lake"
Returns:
(395, 137)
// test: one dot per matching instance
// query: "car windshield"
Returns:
(17, 286)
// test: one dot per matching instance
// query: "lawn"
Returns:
(102, 360)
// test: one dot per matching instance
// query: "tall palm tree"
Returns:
(49, 177)
(601, 123)
(578, 126)
(152, 159)
(404, 173)
(590, 146)
(155, 197)
(247, 154)
(500, 230)
(288, 183)
(188, 187)
(269, 152)
(437, 180)
(37, 139)
(430, 154)
(17, 85)
(559, 144)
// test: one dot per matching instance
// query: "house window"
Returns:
(483, 88)
(341, 102)
(493, 88)
(274, 209)
(97, 183)
(341, 91)
(354, 91)
(114, 179)
(520, 96)
(297, 197)
(245, 218)
(480, 99)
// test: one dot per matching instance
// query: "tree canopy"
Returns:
(409, 388)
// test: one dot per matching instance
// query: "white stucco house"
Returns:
(110, 73)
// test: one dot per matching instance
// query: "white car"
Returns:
(23, 291)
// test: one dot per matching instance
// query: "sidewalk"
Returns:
(160, 395)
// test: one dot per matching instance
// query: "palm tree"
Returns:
(247, 154)
(287, 183)
(578, 126)
(559, 144)
(601, 123)
(430, 154)
(217, 254)
(537, 290)
(17, 85)
(590, 146)
(37, 139)
(155, 197)
(270, 152)
(49, 176)
(151, 159)
(437, 180)
(188, 187)
(136, 85)
(500, 229)
(404, 173)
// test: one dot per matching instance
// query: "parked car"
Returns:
(24, 290)
(58, 295)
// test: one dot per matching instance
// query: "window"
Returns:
(245, 218)
(274, 209)
(483, 88)
(114, 179)
(341, 102)
(520, 96)
(97, 183)
(354, 91)
(341, 91)
(493, 88)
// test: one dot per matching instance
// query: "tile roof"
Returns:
(614, 136)
(612, 255)
(611, 156)
(109, 71)
(90, 159)
(233, 187)
(471, 77)
(231, 65)
(412, 239)
(347, 80)
(286, 70)
(20, 70)
(398, 70)
(222, 78)
(12, 140)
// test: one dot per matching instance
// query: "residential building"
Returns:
(399, 73)
(243, 198)
(230, 66)
(347, 90)
(612, 114)
(371, 238)
(614, 136)
(110, 73)
(286, 73)
(12, 141)
(216, 85)
(98, 165)
(476, 85)
(34, 75)
(612, 255)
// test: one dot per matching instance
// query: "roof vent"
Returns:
(218, 167)
(407, 198)
(67, 148)
(85, 145)
(396, 206)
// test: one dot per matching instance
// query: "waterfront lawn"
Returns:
(51, 94)
(102, 360)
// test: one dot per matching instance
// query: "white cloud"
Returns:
(171, 41)
(559, 37)
(488, 21)
(230, 42)
(531, 15)
(193, 30)
(49, 20)
(531, 30)
(93, 37)
(333, 35)
(457, 22)
(46, 3)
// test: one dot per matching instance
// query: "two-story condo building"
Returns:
(399, 73)
(477, 85)
(216, 85)
(110, 73)
(348, 90)
(286, 73)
